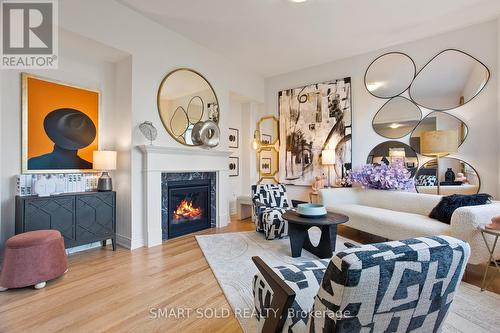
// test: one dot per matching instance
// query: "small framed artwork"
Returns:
(265, 166)
(234, 166)
(234, 140)
(60, 126)
(265, 139)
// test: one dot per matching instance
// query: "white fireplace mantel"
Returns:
(159, 159)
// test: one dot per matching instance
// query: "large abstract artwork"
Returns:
(314, 118)
(60, 126)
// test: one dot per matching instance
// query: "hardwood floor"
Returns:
(106, 291)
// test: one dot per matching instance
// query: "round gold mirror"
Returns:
(186, 98)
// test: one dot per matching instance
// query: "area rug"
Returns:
(229, 256)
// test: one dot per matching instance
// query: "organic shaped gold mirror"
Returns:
(389, 75)
(450, 79)
(268, 130)
(454, 175)
(396, 118)
(394, 151)
(189, 108)
(438, 121)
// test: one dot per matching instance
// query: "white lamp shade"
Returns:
(104, 160)
(439, 142)
(328, 157)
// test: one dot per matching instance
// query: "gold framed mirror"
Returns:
(186, 98)
(268, 131)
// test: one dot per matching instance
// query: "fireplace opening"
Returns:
(189, 207)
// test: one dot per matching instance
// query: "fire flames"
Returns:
(185, 210)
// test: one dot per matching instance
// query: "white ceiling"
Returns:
(276, 36)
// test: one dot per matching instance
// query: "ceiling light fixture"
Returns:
(297, 1)
(395, 125)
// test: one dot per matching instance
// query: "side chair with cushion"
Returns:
(269, 202)
(397, 286)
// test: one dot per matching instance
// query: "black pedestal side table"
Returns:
(298, 227)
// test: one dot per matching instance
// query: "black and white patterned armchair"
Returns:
(397, 286)
(269, 202)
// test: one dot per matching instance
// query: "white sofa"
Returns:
(400, 215)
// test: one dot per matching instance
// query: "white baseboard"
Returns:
(123, 241)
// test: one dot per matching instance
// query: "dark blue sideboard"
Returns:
(82, 218)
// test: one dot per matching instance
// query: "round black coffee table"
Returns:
(298, 227)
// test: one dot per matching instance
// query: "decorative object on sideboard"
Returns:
(234, 166)
(328, 159)
(59, 133)
(469, 184)
(234, 138)
(149, 131)
(391, 151)
(438, 120)
(396, 118)
(27, 184)
(449, 80)
(438, 144)
(105, 160)
(325, 105)
(495, 223)
(382, 177)
(188, 105)
(390, 75)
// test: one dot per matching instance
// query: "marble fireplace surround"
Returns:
(158, 160)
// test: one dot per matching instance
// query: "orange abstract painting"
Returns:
(60, 126)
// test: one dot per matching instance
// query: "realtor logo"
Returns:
(29, 34)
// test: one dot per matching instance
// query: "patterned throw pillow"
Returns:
(426, 180)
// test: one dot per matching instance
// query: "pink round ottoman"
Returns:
(31, 258)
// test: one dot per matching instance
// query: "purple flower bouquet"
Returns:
(382, 177)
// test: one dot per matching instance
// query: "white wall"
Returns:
(235, 121)
(481, 147)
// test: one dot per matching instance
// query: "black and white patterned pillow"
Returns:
(426, 180)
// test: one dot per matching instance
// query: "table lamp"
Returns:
(438, 144)
(104, 160)
(328, 158)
